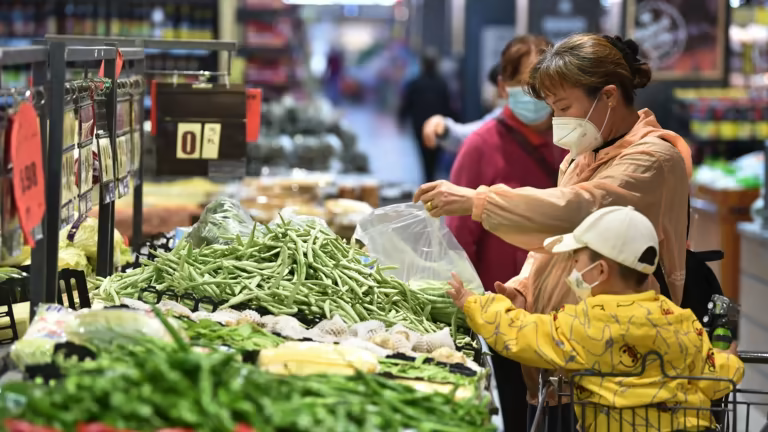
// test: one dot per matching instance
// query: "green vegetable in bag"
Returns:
(224, 217)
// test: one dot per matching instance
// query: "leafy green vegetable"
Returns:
(244, 337)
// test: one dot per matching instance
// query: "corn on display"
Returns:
(312, 358)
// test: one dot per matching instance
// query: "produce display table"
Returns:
(715, 215)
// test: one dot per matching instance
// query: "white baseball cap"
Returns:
(619, 233)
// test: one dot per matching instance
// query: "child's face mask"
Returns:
(577, 283)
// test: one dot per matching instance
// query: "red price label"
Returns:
(27, 160)
(118, 65)
(252, 114)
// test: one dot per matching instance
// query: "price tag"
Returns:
(68, 184)
(86, 202)
(123, 187)
(122, 156)
(86, 122)
(211, 139)
(188, 140)
(70, 128)
(27, 160)
(136, 159)
(67, 214)
(86, 168)
(106, 162)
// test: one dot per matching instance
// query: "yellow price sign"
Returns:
(70, 128)
(106, 162)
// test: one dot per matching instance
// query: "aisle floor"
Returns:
(391, 151)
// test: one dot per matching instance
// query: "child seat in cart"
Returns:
(743, 409)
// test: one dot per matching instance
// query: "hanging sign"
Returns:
(106, 166)
(27, 160)
(201, 130)
(123, 164)
(252, 114)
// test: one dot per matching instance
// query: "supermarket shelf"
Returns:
(260, 14)
(81, 54)
(132, 53)
(178, 52)
(265, 51)
(16, 41)
(22, 55)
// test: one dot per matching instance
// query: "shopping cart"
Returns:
(734, 413)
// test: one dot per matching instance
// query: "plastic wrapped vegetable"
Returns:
(85, 236)
(221, 218)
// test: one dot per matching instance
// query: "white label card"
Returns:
(188, 138)
(105, 159)
(211, 139)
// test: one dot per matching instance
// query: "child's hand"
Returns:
(458, 293)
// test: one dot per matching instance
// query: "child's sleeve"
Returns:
(531, 339)
(717, 364)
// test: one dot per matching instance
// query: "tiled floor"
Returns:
(392, 152)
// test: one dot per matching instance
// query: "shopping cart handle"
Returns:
(754, 357)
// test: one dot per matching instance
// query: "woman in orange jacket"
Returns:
(618, 157)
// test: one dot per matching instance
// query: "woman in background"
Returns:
(450, 134)
(424, 97)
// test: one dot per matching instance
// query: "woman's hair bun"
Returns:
(630, 51)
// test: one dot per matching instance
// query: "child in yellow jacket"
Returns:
(615, 325)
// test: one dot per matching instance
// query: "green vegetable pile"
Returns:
(431, 372)
(243, 337)
(149, 384)
(287, 268)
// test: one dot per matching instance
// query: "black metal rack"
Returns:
(37, 57)
(60, 55)
(133, 49)
(49, 66)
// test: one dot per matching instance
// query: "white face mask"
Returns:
(578, 285)
(576, 134)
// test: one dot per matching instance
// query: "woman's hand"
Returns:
(433, 128)
(442, 198)
(458, 293)
(511, 293)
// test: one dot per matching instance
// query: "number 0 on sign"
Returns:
(188, 140)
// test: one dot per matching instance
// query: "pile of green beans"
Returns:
(286, 268)
(149, 385)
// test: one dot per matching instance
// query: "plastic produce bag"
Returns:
(422, 247)
(85, 236)
(221, 218)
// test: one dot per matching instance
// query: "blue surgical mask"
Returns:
(527, 109)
